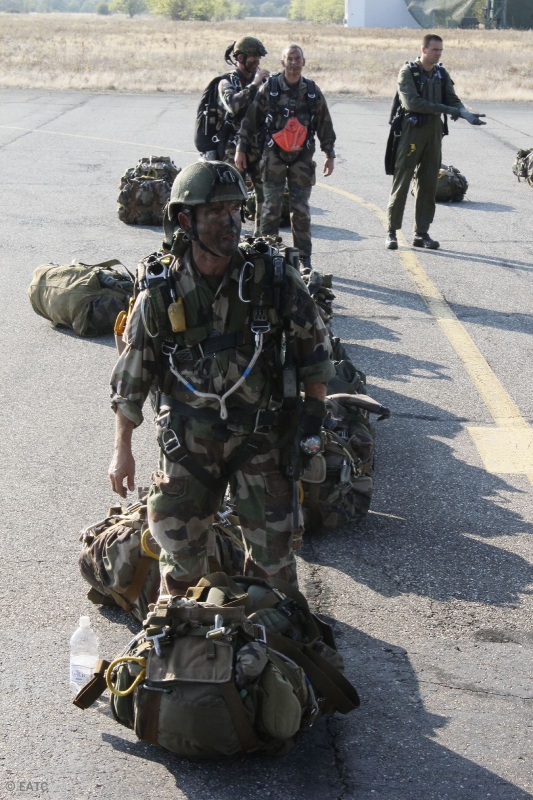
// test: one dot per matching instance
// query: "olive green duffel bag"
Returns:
(238, 666)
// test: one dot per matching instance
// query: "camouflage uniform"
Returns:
(279, 166)
(420, 146)
(180, 507)
(235, 101)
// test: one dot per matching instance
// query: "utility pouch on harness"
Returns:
(238, 666)
(292, 137)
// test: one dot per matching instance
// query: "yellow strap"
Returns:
(146, 547)
(124, 660)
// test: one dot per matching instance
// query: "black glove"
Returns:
(313, 415)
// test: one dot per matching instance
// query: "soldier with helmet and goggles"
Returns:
(228, 334)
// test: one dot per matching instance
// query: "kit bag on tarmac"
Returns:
(120, 559)
(523, 166)
(238, 666)
(451, 185)
(145, 191)
(84, 297)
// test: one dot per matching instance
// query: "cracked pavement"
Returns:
(430, 597)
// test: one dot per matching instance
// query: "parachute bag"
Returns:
(338, 484)
(451, 185)
(120, 558)
(210, 675)
(209, 117)
(523, 166)
(84, 297)
(144, 191)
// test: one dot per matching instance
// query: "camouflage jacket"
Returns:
(289, 97)
(235, 95)
(434, 89)
(207, 311)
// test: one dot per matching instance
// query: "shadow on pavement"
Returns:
(335, 234)
(473, 205)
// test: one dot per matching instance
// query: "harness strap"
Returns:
(149, 704)
(95, 688)
(239, 717)
(213, 344)
(139, 579)
(324, 677)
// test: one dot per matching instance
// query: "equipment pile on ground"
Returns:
(145, 191)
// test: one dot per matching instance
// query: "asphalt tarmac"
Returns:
(430, 597)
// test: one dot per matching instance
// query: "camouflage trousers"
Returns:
(254, 171)
(300, 176)
(181, 511)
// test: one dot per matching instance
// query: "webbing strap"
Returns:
(324, 677)
(147, 716)
(239, 717)
(139, 579)
(95, 688)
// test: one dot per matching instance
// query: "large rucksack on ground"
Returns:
(120, 559)
(451, 185)
(523, 165)
(145, 191)
(85, 297)
(241, 665)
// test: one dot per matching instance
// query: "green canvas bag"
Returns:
(451, 185)
(84, 297)
(144, 191)
(217, 673)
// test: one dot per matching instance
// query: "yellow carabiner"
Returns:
(145, 546)
(124, 660)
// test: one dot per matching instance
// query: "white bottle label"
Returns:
(81, 670)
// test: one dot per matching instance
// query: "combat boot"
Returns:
(425, 240)
(391, 241)
(305, 265)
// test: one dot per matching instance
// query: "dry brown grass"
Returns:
(149, 54)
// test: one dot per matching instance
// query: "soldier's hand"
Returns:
(122, 467)
(329, 164)
(260, 76)
(240, 161)
(471, 116)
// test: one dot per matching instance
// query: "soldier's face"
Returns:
(433, 52)
(219, 226)
(293, 62)
(250, 64)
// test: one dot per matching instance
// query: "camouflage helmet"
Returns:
(249, 46)
(206, 182)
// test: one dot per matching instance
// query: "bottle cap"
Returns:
(85, 622)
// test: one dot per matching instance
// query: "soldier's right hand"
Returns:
(240, 161)
(122, 467)
(260, 76)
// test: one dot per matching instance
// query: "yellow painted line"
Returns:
(95, 138)
(509, 447)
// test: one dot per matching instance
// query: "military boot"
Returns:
(425, 240)
(305, 265)
(391, 241)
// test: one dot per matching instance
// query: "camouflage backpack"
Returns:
(145, 191)
(523, 165)
(237, 666)
(337, 484)
(84, 297)
(120, 559)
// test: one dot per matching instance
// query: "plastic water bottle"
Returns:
(83, 655)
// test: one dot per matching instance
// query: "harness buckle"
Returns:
(260, 323)
(169, 441)
(219, 630)
(155, 641)
(261, 630)
(264, 421)
(163, 418)
(168, 348)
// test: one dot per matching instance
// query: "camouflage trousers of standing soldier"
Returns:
(300, 176)
(181, 510)
(254, 171)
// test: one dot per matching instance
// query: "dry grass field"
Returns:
(149, 54)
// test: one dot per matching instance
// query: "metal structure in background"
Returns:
(439, 13)
(496, 14)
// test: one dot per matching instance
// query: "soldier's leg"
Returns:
(426, 178)
(407, 159)
(301, 178)
(254, 170)
(180, 516)
(264, 501)
(274, 174)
